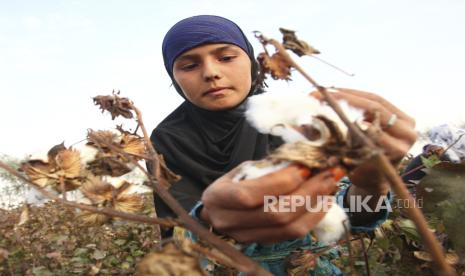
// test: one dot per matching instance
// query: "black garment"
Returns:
(202, 145)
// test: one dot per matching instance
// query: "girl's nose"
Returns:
(211, 71)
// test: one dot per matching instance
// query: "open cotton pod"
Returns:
(61, 164)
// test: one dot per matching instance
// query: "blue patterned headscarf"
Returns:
(200, 30)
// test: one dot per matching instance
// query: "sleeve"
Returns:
(195, 214)
(374, 221)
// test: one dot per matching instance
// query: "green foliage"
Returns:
(443, 194)
(390, 250)
(431, 161)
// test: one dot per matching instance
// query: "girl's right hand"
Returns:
(238, 209)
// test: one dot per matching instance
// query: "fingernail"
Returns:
(304, 172)
(337, 173)
(317, 95)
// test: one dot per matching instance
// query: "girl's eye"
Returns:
(227, 58)
(189, 66)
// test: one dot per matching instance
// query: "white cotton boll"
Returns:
(251, 170)
(267, 110)
(135, 177)
(288, 134)
(353, 114)
(138, 189)
(87, 153)
(331, 227)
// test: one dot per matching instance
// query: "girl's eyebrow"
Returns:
(196, 56)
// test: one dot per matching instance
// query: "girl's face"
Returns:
(214, 76)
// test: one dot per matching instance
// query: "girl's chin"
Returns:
(221, 104)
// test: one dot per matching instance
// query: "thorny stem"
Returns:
(242, 262)
(365, 256)
(154, 162)
(105, 211)
(385, 166)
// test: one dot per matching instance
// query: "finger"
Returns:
(370, 107)
(277, 210)
(266, 235)
(395, 149)
(376, 98)
(401, 130)
(249, 193)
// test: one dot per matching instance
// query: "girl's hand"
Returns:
(238, 209)
(397, 135)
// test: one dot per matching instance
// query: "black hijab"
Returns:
(202, 145)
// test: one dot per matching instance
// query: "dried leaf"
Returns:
(97, 190)
(116, 105)
(451, 258)
(166, 173)
(101, 139)
(276, 65)
(108, 165)
(300, 263)
(129, 203)
(170, 261)
(24, 217)
(54, 151)
(110, 160)
(69, 161)
(132, 144)
(299, 47)
(103, 194)
(91, 218)
(62, 163)
(39, 172)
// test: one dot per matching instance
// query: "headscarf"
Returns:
(202, 145)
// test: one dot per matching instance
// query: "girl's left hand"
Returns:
(396, 137)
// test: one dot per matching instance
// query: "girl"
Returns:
(212, 66)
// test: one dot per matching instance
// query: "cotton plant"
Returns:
(314, 136)
(97, 173)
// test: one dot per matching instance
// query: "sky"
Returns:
(56, 55)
